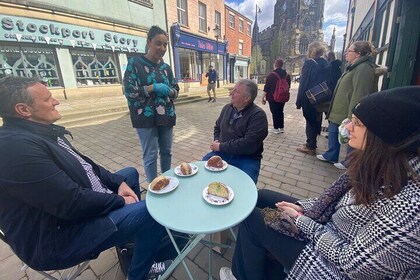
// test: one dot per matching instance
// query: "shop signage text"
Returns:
(22, 29)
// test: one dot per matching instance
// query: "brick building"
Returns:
(197, 39)
(238, 35)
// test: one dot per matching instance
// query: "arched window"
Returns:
(303, 45)
(306, 24)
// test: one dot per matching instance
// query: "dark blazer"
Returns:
(47, 206)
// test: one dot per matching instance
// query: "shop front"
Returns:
(73, 60)
(194, 54)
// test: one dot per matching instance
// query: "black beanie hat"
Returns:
(392, 115)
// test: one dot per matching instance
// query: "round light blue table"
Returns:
(185, 210)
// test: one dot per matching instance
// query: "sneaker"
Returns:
(158, 269)
(209, 99)
(281, 130)
(274, 130)
(226, 274)
(304, 149)
(322, 158)
(339, 165)
(214, 100)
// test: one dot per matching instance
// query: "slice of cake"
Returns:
(215, 161)
(159, 183)
(185, 168)
(218, 189)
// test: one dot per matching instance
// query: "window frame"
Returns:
(231, 21)
(218, 18)
(202, 19)
(182, 11)
(241, 25)
(248, 29)
(241, 48)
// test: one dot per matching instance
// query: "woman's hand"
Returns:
(161, 89)
(291, 209)
(264, 99)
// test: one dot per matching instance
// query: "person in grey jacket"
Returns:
(240, 130)
(358, 80)
(366, 225)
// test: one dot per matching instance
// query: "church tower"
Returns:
(297, 23)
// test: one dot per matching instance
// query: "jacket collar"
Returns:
(52, 131)
(358, 61)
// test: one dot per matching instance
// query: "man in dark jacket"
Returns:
(211, 86)
(240, 130)
(58, 207)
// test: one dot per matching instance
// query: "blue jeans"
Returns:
(133, 222)
(333, 151)
(247, 164)
(151, 139)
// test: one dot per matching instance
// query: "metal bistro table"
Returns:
(185, 210)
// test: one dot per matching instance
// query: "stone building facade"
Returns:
(296, 25)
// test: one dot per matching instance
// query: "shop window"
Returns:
(182, 9)
(29, 62)
(188, 60)
(95, 68)
(231, 21)
(202, 17)
(241, 25)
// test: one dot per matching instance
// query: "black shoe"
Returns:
(214, 100)
(157, 270)
(209, 99)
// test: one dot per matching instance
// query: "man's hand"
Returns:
(127, 193)
(291, 209)
(263, 101)
(215, 146)
(161, 89)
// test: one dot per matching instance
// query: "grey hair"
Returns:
(316, 49)
(14, 90)
(251, 88)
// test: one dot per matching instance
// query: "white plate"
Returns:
(216, 200)
(194, 170)
(225, 165)
(173, 183)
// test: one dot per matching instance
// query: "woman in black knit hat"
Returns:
(366, 225)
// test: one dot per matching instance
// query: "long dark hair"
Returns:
(381, 164)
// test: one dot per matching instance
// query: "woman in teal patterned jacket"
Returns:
(150, 89)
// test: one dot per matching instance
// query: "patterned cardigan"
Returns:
(379, 241)
(148, 110)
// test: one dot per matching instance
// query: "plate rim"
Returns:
(182, 175)
(205, 193)
(160, 191)
(214, 169)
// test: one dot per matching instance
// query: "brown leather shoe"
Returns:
(304, 149)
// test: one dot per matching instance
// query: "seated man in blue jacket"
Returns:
(58, 207)
(240, 130)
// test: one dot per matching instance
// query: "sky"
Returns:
(335, 15)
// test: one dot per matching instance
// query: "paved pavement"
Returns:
(115, 145)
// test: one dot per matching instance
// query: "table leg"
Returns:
(181, 254)
(210, 256)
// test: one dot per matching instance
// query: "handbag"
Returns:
(319, 94)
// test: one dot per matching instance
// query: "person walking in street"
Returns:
(150, 89)
(358, 80)
(211, 86)
(240, 130)
(366, 225)
(276, 108)
(315, 70)
(58, 207)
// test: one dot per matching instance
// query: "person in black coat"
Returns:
(58, 207)
(315, 70)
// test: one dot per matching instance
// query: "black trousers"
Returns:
(255, 240)
(312, 131)
(276, 109)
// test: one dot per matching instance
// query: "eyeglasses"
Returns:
(355, 121)
(235, 116)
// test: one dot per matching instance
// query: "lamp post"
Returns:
(217, 35)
